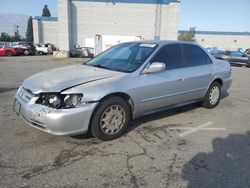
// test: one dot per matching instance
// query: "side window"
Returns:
(194, 56)
(170, 55)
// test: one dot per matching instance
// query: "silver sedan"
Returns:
(127, 81)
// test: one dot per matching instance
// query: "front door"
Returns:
(160, 89)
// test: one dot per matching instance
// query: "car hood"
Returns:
(60, 79)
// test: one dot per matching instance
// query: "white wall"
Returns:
(126, 19)
(64, 25)
(224, 42)
(45, 32)
(78, 20)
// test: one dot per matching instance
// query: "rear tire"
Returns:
(9, 53)
(212, 97)
(26, 52)
(110, 119)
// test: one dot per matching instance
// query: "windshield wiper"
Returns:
(99, 66)
(108, 68)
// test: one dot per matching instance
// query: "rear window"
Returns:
(194, 56)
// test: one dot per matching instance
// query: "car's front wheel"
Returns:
(9, 53)
(212, 97)
(110, 119)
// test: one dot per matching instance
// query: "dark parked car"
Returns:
(84, 52)
(28, 47)
(219, 54)
(234, 57)
(247, 52)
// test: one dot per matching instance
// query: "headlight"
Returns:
(72, 100)
(57, 100)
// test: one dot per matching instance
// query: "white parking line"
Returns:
(203, 129)
(198, 128)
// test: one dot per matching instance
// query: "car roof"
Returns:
(164, 42)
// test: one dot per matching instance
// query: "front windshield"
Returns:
(126, 57)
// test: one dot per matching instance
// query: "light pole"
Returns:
(17, 28)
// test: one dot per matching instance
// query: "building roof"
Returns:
(43, 18)
(133, 1)
(218, 33)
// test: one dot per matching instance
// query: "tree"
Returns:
(29, 30)
(46, 12)
(187, 35)
(6, 37)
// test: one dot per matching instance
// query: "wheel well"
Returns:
(219, 81)
(125, 97)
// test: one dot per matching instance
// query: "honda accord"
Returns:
(127, 81)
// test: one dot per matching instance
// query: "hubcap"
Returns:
(214, 95)
(113, 119)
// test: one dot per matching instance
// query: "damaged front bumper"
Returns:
(55, 121)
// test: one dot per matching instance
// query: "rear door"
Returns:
(198, 71)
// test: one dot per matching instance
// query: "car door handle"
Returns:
(180, 79)
(211, 74)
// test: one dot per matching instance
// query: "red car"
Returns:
(9, 51)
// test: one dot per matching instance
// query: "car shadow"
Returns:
(160, 115)
(167, 113)
(224, 94)
(228, 165)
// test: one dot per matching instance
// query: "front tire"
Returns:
(110, 119)
(212, 97)
(9, 53)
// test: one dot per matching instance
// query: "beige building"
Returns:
(79, 20)
(223, 40)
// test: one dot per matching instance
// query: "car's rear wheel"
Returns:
(110, 119)
(26, 52)
(9, 53)
(212, 97)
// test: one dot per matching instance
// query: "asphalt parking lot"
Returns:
(185, 147)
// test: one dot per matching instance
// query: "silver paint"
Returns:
(148, 92)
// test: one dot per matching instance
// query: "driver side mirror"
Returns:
(155, 67)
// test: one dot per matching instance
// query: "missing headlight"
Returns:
(57, 100)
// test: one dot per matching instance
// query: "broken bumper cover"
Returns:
(55, 121)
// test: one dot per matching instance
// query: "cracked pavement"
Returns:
(149, 154)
